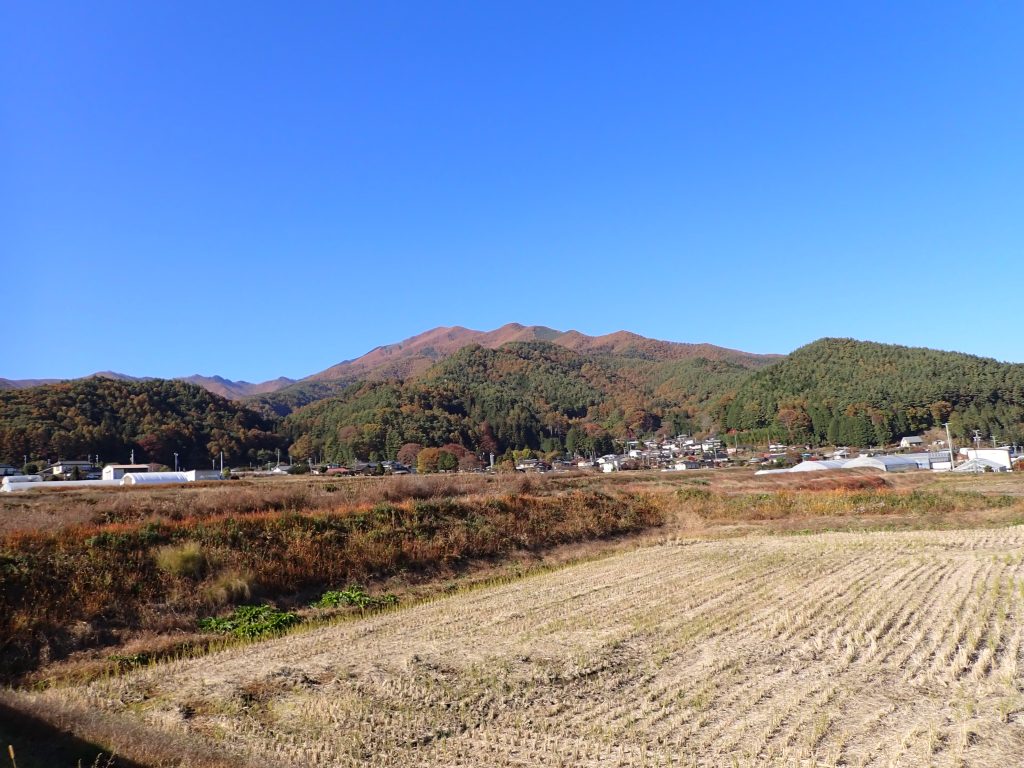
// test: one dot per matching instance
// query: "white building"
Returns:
(117, 471)
(998, 456)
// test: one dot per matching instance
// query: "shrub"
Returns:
(185, 560)
(229, 587)
(250, 621)
(356, 596)
(693, 494)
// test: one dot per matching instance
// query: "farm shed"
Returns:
(199, 475)
(117, 471)
(1000, 456)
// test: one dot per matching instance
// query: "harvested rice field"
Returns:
(836, 649)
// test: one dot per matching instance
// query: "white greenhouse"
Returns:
(154, 478)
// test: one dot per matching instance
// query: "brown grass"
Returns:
(53, 508)
(87, 585)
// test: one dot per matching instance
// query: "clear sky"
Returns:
(253, 189)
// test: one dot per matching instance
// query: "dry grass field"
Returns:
(832, 649)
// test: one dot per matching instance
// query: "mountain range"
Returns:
(232, 390)
(415, 355)
(524, 387)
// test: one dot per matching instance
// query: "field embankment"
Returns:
(95, 584)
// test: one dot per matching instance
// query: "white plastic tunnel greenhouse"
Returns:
(154, 478)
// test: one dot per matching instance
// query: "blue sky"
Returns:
(255, 190)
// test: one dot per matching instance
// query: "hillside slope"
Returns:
(111, 417)
(413, 357)
(864, 393)
(524, 394)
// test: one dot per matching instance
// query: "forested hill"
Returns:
(413, 358)
(843, 391)
(73, 420)
(533, 394)
(526, 394)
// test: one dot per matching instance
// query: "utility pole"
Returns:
(175, 461)
(222, 462)
(949, 444)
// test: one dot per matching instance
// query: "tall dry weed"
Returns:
(129, 574)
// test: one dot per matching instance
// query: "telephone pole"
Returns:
(949, 444)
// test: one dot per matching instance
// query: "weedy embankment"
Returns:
(88, 585)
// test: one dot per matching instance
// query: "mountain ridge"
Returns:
(537, 394)
(414, 355)
(218, 385)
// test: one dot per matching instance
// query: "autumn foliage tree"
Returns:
(427, 460)
(301, 449)
(407, 454)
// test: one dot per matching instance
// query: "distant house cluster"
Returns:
(669, 455)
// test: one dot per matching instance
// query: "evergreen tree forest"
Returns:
(846, 392)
